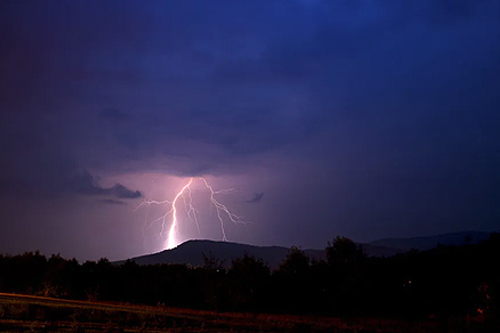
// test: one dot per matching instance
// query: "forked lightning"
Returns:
(171, 216)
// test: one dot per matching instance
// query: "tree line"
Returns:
(446, 281)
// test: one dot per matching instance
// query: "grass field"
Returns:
(22, 313)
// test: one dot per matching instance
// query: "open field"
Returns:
(23, 313)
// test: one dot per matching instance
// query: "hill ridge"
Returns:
(190, 252)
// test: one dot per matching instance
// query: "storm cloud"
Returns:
(361, 118)
(84, 183)
(256, 198)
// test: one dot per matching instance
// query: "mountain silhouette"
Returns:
(429, 242)
(191, 253)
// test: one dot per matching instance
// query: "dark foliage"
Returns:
(443, 282)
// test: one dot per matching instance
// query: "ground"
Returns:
(23, 313)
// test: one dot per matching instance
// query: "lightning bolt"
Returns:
(171, 216)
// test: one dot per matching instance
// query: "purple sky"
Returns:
(366, 119)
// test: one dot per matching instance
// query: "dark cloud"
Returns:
(11, 186)
(121, 191)
(114, 115)
(113, 202)
(390, 109)
(452, 12)
(256, 198)
(86, 184)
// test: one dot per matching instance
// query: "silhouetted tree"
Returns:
(442, 282)
(346, 264)
(61, 277)
(295, 264)
(214, 281)
(344, 251)
(211, 262)
(249, 279)
(291, 281)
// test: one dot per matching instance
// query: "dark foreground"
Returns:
(22, 313)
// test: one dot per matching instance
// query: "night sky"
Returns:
(366, 119)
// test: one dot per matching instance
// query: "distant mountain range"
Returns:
(430, 242)
(191, 252)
